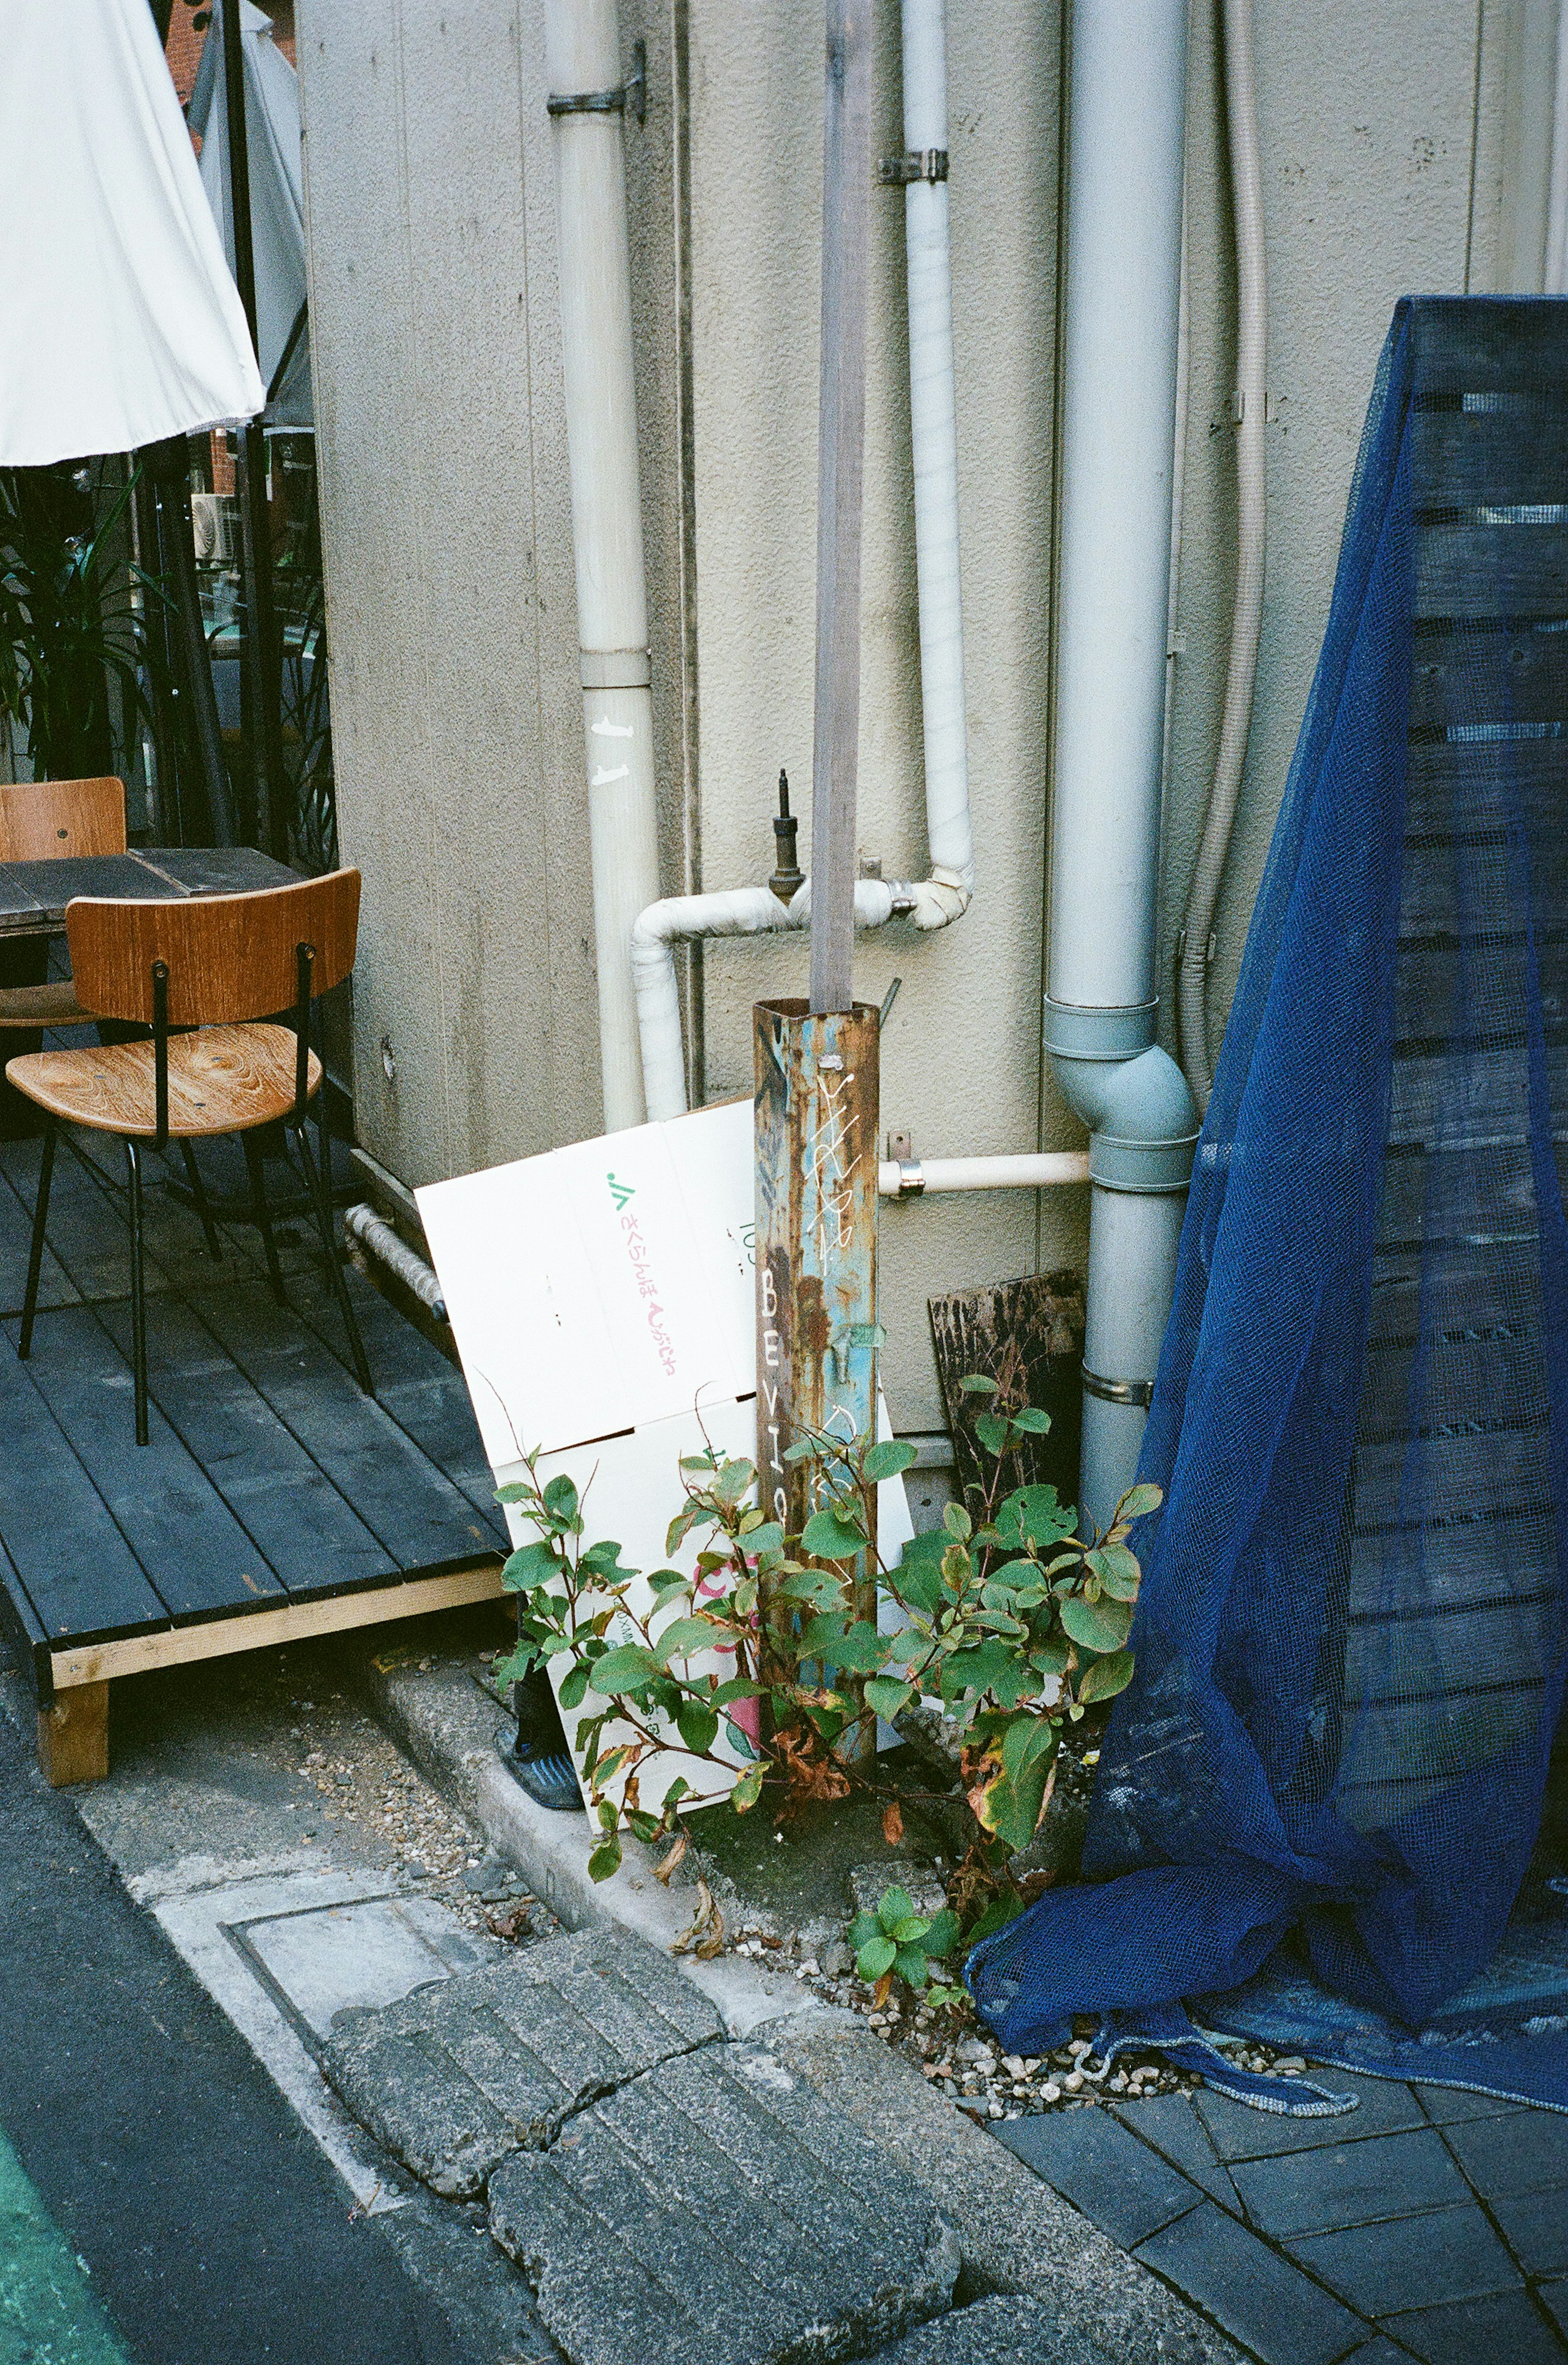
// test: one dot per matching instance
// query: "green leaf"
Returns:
(1137, 1503)
(737, 1688)
(734, 1479)
(1033, 1516)
(938, 1940)
(862, 1650)
(912, 1965)
(748, 1789)
(820, 1633)
(1116, 1569)
(826, 1536)
(530, 1565)
(1031, 1420)
(992, 1431)
(894, 1905)
(764, 1542)
(975, 1384)
(877, 1955)
(516, 1490)
(887, 1695)
(606, 1857)
(561, 1499)
(997, 1915)
(668, 1580)
(680, 1527)
(573, 1685)
(1096, 1625)
(910, 1930)
(864, 1926)
(645, 1826)
(625, 1669)
(1049, 1657)
(682, 1636)
(698, 1726)
(1014, 1797)
(888, 1458)
(1105, 1677)
(958, 1522)
(739, 1742)
(916, 1582)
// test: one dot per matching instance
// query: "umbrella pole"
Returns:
(261, 722)
(168, 463)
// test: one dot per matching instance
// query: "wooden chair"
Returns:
(40, 821)
(214, 965)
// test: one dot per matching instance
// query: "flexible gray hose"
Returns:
(1246, 186)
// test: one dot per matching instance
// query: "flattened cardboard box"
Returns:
(602, 1301)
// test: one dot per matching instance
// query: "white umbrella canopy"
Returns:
(277, 198)
(119, 321)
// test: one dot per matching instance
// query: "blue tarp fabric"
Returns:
(1351, 1642)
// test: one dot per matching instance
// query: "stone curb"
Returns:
(449, 1727)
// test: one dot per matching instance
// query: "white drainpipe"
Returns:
(943, 897)
(1128, 100)
(582, 50)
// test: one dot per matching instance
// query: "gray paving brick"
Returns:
(730, 2217)
(1101, 2167)
(1505, 2330)
(457, 2075)
(1554, 2299)
(1535, 2226)
(1258, 2297)
(1349, 2184)
(1525, 2151)
(1172, 2124)
(1004, 2330)
(1239, 2133)
(1445, 2105)
(1410, 2262)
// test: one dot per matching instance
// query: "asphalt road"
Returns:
(158, 2202)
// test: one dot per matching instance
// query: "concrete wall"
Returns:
(1385, 152)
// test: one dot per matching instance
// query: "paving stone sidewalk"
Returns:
(1429, 2222)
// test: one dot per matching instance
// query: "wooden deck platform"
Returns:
(274, 1501)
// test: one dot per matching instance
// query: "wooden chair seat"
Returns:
(54, 1004)
(222, 1079)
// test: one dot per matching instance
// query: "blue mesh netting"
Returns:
(1351, 1637)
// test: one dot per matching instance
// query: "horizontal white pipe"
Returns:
(916, 1178)
(376, 1237)
(731, 911)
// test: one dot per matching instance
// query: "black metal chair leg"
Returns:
(138, 1292)
(320, 1194)
(35, 1255)
(255, 1168)
(193, 1176)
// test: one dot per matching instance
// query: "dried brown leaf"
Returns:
(892, 1824)
(666, 1865)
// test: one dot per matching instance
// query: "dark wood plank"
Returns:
(295, 1516)
(1027, 1336)
(1488, 674)
(55, 1287)
(214, 870)
(1492, 570)
(416, 1512)
(21, 1623)
(1515, 453)
(81, 1575)
(191, 1547)
(22, 912)
(425, 1394)
(87, 1230)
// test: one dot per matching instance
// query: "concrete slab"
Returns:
(1255, 2294)
(1508, 2329)
(1411, 2262)
(366, 1952)
(732, 2219)
(1003, 2330)
(1337, 2185)
(1386, 2107)
(1018, 2234)
(1170, 2123)
(1095, 2162)
(459, 2074)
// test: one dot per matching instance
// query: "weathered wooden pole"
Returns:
(817, 1061)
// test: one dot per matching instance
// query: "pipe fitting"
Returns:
(1142, 1123)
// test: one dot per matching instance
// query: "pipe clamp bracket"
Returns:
(915, 165)
(1117, 1391)
(633, 94)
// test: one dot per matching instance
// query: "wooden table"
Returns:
(33, 895)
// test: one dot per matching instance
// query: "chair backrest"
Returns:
(229, 956)
(42, 819)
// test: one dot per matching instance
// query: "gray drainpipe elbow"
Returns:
(1142, 1119)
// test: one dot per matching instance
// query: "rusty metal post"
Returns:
(816, 1252)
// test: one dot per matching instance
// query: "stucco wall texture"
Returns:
(447, 531)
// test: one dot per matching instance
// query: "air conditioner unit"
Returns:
(216, 519)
